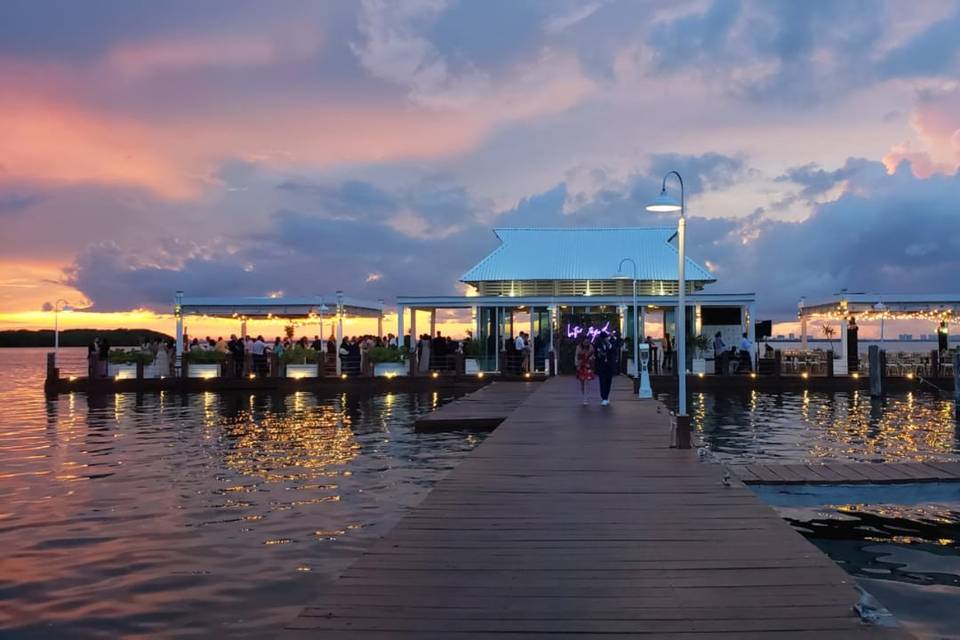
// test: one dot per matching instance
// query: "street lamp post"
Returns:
(664, 203)
(58, 306)
(636, 326)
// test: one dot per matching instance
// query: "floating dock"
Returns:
(572, 521)
(850, 473)
(481, 410)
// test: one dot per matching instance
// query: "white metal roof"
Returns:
(583, 254)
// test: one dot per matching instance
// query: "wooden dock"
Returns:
(483, 409)
(573, 521)
(852, 473)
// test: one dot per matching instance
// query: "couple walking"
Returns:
(600, 356)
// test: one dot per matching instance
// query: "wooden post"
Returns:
(53, 374)
(460, 364)
(274, 365)
(777, 363)
(956, 383)
(934, 371)
(830, 364)
(184, 365)
(876, 371)
(680, 432)
(139, 369)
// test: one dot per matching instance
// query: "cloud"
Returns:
(933, 51)
(936, 121)
(14, 203)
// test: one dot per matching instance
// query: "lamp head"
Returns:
(619, 275)
(664, 203)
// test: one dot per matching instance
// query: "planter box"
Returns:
(699, 365)
(389, 369)
(203, 370)
(302, 370)
(122, 371)
(471, 366)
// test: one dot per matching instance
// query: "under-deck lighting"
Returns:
(753, 374)
(72, 378)
(700, 375)
(855, 375)
(480, 375)
(435, 375)
(804, 375)
(252, 376)
(526, 375)
(910, 375)
(343, 376)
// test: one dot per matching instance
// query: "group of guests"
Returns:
(735, 359)
(598, 357)
(434, 351)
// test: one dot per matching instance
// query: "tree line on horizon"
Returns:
(79, 337)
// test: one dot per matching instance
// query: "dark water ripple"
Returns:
(161, 515)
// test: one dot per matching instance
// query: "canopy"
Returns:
(277, 307)
(888, 306)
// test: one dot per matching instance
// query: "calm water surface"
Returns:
(906, 555)
(162, 515)
(825, 427)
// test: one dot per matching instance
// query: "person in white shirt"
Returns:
(746, 354)
(520, 344)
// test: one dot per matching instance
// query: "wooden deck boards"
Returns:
(580, 521)
(483, 409)
(848, 473)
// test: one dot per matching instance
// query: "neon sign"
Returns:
(574, 331)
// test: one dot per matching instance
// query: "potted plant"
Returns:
(699, 345)
(204, 364)
(471, 356)
(387, 362)
(123, 364)
(300, 362)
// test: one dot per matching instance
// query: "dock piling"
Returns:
(876, 371)
(956, 383)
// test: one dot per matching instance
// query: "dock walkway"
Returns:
(848, 473)
(485, 408)
(573, 521)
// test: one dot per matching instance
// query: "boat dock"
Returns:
(849, 473)
(581, 521)
(484, 409)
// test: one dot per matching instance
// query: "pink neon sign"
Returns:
(574, 331)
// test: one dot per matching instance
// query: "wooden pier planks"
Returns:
(483, 409)
(580, 520)
(848, 473)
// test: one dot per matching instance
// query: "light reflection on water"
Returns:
(194, 515)
(825, 427)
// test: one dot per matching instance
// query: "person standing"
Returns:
(667, 352)
(583, 358)
(719, 354)
(746, 354)
(520, 345)
(607, 364)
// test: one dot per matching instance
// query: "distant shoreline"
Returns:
(33, 338)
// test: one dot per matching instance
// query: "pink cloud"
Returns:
(936, 121)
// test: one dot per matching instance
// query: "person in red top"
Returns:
(584, 361)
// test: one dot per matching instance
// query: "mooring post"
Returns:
(52, 372)
(876, 373)
(956, 383)
(830, 363)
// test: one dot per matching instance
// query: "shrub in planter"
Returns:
(384, 354)
(472, 349)
(300, 355)
(196, 356)
(129, 357)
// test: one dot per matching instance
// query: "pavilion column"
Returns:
(803, 333)
(339, 331)
(400, 326)
(243, 328)
(642, 330)
(697, 319)
(551, 353)
(533, 357)
(752, 335)
(496, 336)
(380, 320)
(414, 365)
(433, 323)
(179, 314)
(475, 312)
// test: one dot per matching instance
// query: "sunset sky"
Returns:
(230, 147)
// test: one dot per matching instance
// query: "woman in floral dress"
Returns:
(584, 360)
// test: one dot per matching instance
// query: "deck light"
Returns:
(910, 375)
(252, 376)
(343, 376)
(434, 375)
(480, 375)
(753, 374)
(855, 375)
(700, 375)
(72, 378)
(804, 375)
(526, 375)
(664, 203)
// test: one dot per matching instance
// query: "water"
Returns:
(162, 515)
(820, 427)
(901, 543)
(905, 555)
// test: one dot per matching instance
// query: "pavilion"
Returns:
(566, 280)
(939, 309)
(302, 309)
